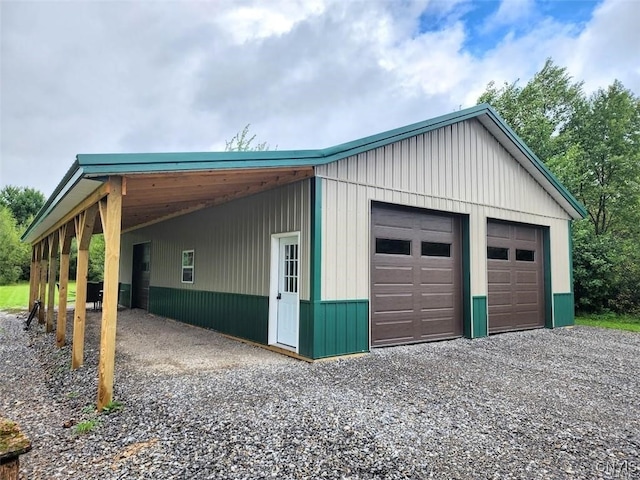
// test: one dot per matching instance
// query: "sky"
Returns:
(156, 76)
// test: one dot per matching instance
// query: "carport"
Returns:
(92, 199)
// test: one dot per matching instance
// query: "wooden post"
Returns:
(13, 443)
(53, 269)
(34, 275)
(64, 235)
(111, 215)
(44, 256)
(84, 229)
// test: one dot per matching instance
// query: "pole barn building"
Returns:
(446, 228)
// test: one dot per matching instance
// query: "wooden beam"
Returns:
(34, 275)
(92, 199)
(112, 215)
(44, 263)
(53, 269)
(64, 235)
(84, 229)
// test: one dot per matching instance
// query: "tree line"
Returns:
(18, 208)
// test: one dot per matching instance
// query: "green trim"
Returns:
(548, 298)
(102, 165)
(70, 180)
(564, 310)
(340, 328)
(316, 239)
(480, 319)
(570, 255)
(305, 336)
(467, 324)
(124, 294)
(309, 311)
(244, 316)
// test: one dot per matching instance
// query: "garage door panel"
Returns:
(393, 331)
(501, 299)
(394, 302)
(430, 301)
(516, 285)
(437, 328)
(431, 274)
(527, 277)
(437, 276)
(393, 275)
(527, 299)
(431, 224)
(526, 234)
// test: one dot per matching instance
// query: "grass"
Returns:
(14, 297)
(86, 426)
(610, 320)
(112, 406)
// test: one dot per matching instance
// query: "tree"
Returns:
(23, 202)
(13, 254)
(540, 111)
(602, 162)
(242, 142)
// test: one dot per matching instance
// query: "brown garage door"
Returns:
(515, 266)
(416, 277)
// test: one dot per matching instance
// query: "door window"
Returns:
(291, 268)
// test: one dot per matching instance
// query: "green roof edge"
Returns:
(60, 191)
(122, 163)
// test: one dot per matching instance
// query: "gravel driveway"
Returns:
(536, 404)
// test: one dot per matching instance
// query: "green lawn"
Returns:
(17, 296)
(610, 320)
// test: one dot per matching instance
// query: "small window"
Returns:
(525, 255)
(433, 249)
(187, 266)
(392, 246)
(497, 253)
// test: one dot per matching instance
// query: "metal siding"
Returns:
(232, 243)
(460, 168)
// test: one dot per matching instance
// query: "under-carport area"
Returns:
(532, 404)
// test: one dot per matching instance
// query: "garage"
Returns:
(416, 275)
(515, 267)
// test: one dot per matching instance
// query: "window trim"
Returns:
(188, 267)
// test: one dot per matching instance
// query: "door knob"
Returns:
(279, 296)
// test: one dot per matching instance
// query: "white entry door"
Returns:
(288, 287)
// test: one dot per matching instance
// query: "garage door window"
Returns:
(392, 246)
(525, 255)
(497, 253)
(434, 249)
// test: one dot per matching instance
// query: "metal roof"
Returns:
(91, 168)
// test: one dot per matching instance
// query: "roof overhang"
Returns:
(158, 186)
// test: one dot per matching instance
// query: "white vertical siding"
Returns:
(232, 242)
(461, 168)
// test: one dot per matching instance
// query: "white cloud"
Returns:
(510, 12)
(168, 76)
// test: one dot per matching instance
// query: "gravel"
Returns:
(195, 405)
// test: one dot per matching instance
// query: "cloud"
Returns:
(510, 12)
(185, 76)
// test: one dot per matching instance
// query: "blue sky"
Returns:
(134, 76)
(482, 19)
